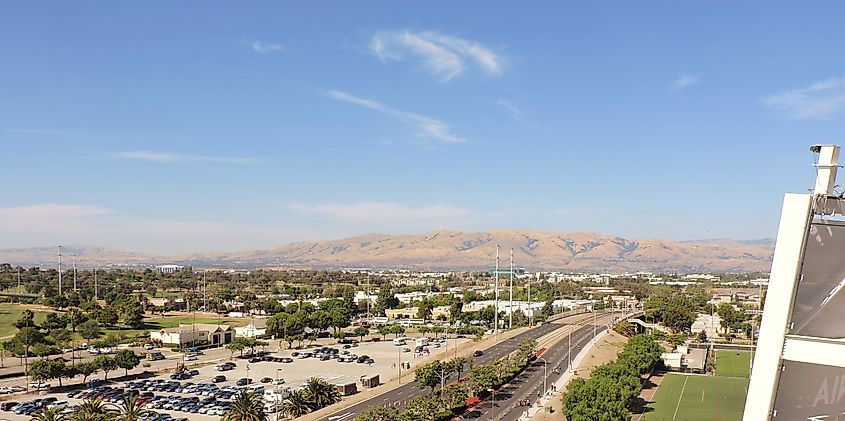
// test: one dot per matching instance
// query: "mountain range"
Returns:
(445, 250)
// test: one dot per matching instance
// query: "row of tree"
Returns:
(44, 370)
(612, 387)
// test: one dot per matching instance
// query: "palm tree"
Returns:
(129, 409)
(92, 410)
(247, 407)
(296, 404)
(320, 393)
(49, 414)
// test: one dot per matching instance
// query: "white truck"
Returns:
(399, 341)
(423, 341)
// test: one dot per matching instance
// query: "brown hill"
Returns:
(472, 250)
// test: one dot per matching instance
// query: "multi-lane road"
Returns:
(528, 386)
(401, 395)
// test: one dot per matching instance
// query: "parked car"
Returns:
(477, 353)
(266, 380)
(243, 381)
(148, 346)
(287, 360)
(218, 379)
(7, 406)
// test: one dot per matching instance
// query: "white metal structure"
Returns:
(775, 346)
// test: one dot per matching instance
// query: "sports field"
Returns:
(721, 397)
(698, 398)
(732, 363)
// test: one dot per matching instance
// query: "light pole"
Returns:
(510, 298)
(569, 352)
(496, 315)
(492, 404)
(545, 374)
(276, 397)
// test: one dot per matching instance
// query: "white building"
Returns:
(169, 268)
(198, 333)
(255, 329)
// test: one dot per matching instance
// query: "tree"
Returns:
(432, 374)
(49, 414)
(397, 330)
(43, 370)
(379, 413)
(54, 321)
(247, 406)
(320, 393)
(27, 319)
(361, 331)
(129, 312)
(385, 300)
(320, 320)
(60, 336)
(422, 408)
(105, 363)
(127, 360)
(89, 330)
(276, 324)
(384, 330)
(424, 310)
(26, 338)
(130, 409)
(86, 369)
(236, 345)
(92, 410)
(75, 317)
(296, 404)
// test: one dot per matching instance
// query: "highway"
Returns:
(529, 384)
(400, 396)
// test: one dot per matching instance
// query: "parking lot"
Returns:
(196, 396)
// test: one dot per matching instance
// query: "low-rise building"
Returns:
(194, 334)
(256, 328)
(169, 268)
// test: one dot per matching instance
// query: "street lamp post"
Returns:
(545, 374)
(492, 404)
(569, 352)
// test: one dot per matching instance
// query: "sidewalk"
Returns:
(607, 346)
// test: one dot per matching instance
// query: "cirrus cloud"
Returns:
(445, 56)
(820, 100)
(428, 126)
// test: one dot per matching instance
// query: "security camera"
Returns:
(816, 148)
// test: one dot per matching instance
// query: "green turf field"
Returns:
(10, 313)
(732, 363)
(698, 398)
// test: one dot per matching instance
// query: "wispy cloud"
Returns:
(516, 113)
(385, 212)
(445, 56)
(48, 217)
(428, 126)
(686, 80)
(265, 47)
(171, 158)
(819, 100)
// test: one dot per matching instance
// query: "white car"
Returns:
(39, 386)
(105, 350)
(279, 381)
(66, 350)
(191, 358)
(59, 404)
(94, 350)
(148, 346)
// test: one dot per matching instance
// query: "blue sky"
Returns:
(190, 127)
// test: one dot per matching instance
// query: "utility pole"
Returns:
(594, 321)
(569, 351)
(60, 270)
(530, 310)
(496, 315)
(204, 290)
(96, 290)
(19, 279)
(510, 300)
(368, 295)
(74, 272)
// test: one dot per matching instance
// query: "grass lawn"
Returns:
(157, 323)
(733, 363)
(10, 313)
(698, 398)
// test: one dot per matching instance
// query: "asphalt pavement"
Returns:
(400, 396)
(528, 386)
